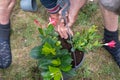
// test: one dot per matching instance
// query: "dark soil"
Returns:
(78, 54)
(35, 73)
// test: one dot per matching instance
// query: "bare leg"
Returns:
(110, 20)
(111, 33)
(6, 7)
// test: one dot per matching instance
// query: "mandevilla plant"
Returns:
(53, 59)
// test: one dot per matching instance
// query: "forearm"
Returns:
(77, 7)
(51, 5)
(74, 9)
(81, 2)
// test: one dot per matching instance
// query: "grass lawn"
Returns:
(98, 65)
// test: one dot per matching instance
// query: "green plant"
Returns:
(87, 39)
(52, 58)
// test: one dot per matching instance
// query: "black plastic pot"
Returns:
(77, 56)
(75, 67)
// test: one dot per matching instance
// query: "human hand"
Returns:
(6, 7)
(59, 25)
(71, 16)
(64, 30)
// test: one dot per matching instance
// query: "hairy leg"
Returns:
(110, 19)
(111, 33)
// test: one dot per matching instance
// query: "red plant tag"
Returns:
(52, 21)
(110, 44)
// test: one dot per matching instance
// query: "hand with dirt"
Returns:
(75, 6)
(59, 25)
(6, 7)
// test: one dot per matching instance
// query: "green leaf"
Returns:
(66, 59)
(50, 30)
(57, 77)
(47, 49)
(56, 62)
(55, 72)
(92, 29)
(66, 68)
(72, 72)
(96, 43)
(44, 63)
(50, 27)
(40, 31)
(46, 75)
(35, 52)
(64, 52)
(58, 43)
(66, 63)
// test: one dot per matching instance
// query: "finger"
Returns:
(62, 22)
(4, 4)
(60, 12)
(63, 29)
(70, 31)
(59, 31)
(12, 4)
(64, 33)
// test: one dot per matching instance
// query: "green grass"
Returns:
(97, 65)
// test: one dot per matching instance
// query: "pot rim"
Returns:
(80, 64)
